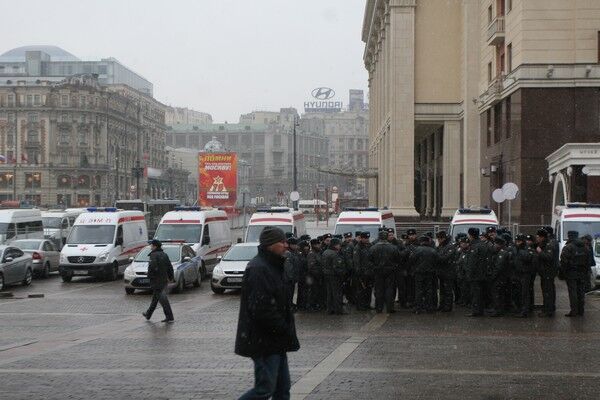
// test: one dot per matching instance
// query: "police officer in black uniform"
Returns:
(477, 262)
(524, 266)
(348, 253)
(315, 278)
(498, 275)
(446, 270)
(363, 272)
(384, 257)
(547, 270)
(574, 260)
(424, 259)
(334, 268)
(411, 245)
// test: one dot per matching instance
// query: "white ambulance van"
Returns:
(466, 218)
(368, 219)
(22, 223)
(289, 220)
(58, 223)
(101, 242)
(206, 230)
(581, 217)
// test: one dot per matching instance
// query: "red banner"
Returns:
(217, 184)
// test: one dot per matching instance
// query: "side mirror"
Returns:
(8, 259)
(219, 258)
(131, 259)
(206, 240)
(239, 240)
(186, 259)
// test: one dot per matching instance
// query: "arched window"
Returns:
(83, 182)
(64, 182)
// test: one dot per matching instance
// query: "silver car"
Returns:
(15, 267)
(186, 266)
(44, 255)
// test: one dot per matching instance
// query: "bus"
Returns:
(153, 209)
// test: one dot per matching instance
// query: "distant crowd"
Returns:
(490, 272)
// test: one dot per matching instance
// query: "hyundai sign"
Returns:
(323, 101)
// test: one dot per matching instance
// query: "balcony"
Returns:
(495, 31)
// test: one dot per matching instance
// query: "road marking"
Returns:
(472, 372)
(305, 385)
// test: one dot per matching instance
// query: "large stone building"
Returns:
(347, 132)
(467, 95)
(76, 142)
(264, 141)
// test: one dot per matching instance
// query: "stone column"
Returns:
(451, 168)
(402, 106)
(429, 176)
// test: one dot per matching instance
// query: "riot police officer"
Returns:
(524, 267)
(574, 261)
(498, 274)
(334, 269)
(315, 277)
(446, 270)
(363, 272)
(384, 257)
(546, 268)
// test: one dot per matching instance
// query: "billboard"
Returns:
(217, 179)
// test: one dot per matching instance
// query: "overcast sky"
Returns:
(225, 57)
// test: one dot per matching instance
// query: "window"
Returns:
(497, 122)
(259, 139)
(488, 126)
(32, 136)
(32, 117)
(10, 99)
(489, 72)
(29, 99)
(37, 100)
(64, 100)
(33, 180)
(509, 58)
(82, 101)
(64, 118)
(277, 140)
(508, 117)
(490, 15)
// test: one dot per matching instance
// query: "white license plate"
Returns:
(80, 272)
(234, 280)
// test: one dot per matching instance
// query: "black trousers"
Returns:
(302, 298)
(465, 292)
(423, 292)
(549, 294)
(159, 295)
(315, 293)
(385, 290)
(576, 288)
(478, 297)
(335, 304)
(401, 287)
(499, 287)
(410, 288)
(446, 293)
(364, 291)
(526, 298)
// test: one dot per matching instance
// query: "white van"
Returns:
(289, 220)
(58, 223)
(465, 218)
(101, 242)
(581, 217)
(23, 223)
(207, 231)
(367, 219)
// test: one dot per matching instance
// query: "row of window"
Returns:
(498, 122)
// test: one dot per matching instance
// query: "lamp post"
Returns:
(295, 167)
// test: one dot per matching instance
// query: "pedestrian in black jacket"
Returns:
(315, 278)
(363, 272)
(477, 262)
(266, 329)
(524, 266)
(160, 273)
(334, 269)
(498, 275)
(446, 270)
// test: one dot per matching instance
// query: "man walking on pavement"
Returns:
(266, 330)
(160, 273)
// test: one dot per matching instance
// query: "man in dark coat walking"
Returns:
(266, 329)
(160, 273)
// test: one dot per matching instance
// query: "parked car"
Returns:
(44, 255)
(229, 272)
(15, 267)
(186, 266)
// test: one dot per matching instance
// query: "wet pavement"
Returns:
(88, 340)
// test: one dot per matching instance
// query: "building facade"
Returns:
(78, 143)
(347, 132)
(185, 116)
(469, 95)
(267, 148)
(539, 90)
(423, 125)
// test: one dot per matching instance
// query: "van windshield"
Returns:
(373, 229)
(591, 228)
(464, 228)
(51, 222)
(254, 231)
(92, 234)
(188, 233)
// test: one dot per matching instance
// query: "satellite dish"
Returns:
(498, 196)
(294, 196)
(510, 191)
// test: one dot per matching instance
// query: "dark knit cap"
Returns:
(521, 237)
(383, 235)
(156, 242)
(542, 232)
(292, 241)
(347, 235)
(572, 234)
(271, 235)
(411, 231)
(474, 232)
(365, 235)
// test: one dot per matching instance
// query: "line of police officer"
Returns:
(488, 272)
